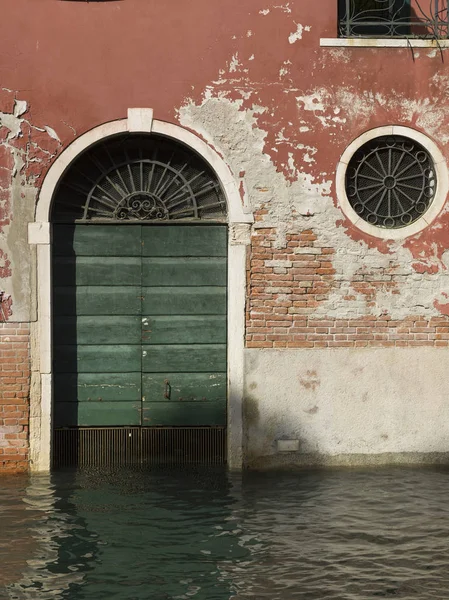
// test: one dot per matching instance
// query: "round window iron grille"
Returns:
(139, 178)
(391, 181)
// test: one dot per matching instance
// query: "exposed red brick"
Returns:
(14, 396)
(281, 309)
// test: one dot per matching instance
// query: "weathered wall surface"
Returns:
(25, 152)
(251, 79)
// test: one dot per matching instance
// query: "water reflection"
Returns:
(14, 530)
(159, 534)
(29, 513)
(347, 534)
(208, 535)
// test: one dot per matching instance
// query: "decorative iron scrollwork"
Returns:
(394, 18)
(141, 206)
(391, 182)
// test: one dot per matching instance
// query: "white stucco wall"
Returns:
(347, 406)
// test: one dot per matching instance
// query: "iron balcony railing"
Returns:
(428, 19)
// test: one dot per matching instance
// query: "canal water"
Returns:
(208, 535)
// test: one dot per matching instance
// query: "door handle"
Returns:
(167, 389)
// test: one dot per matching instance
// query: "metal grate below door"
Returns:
(116, 446)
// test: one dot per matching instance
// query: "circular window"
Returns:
(390, 181)
(392, 185)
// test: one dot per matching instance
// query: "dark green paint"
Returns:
(97, 414)
(185, 329)
(96, 240)
(98, 329)
(184, 271)
(97, 300)
(184, 240)
(97, 359)
(190, 414)
(184, 301)
(90, 270)
(90, 387)
(184, 387)
(204, 358)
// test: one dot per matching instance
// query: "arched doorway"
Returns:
(202, 218)
(139, 261)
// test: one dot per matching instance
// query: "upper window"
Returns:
(393, 18)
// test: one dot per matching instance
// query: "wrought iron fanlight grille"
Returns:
(394, 18)
(139, 178)
(391, 182)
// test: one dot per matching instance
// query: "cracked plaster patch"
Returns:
(297, 35)
(284, 7)
(234, 63)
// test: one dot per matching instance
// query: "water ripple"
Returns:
(206, 535)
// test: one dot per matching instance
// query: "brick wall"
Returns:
(14, 396)
(288, 285)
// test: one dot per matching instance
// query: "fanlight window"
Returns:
(139, 178)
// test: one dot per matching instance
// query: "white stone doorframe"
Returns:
(140, 120)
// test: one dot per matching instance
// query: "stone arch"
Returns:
(239, 222)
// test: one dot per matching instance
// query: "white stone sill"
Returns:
(382, 43)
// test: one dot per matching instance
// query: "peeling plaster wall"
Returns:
(283, 148)
(296, 200)
(25, 152)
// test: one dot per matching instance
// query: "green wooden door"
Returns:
(139, 325)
